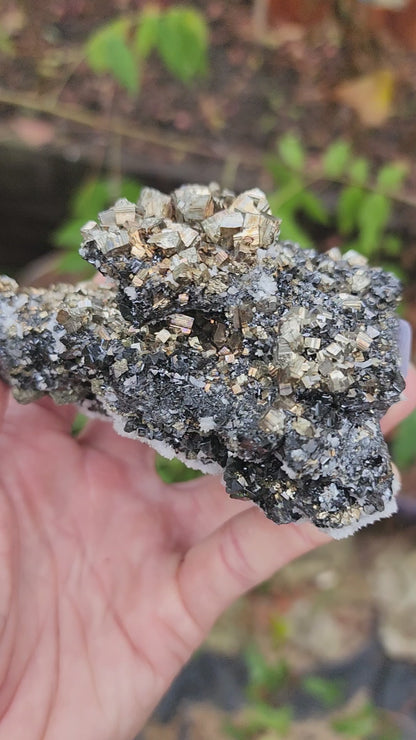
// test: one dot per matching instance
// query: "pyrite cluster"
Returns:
(217, 342)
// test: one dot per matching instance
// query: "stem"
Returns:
(121, 127)
(407, 200)
(317, 177)
(284, 195)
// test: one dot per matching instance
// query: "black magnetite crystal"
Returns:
(218, 342)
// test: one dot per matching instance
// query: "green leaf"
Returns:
(279, 628)
(79, 424)
(289, 194)
(6, 44)
(359, 725)
(290, 228)
(147, 33)
(291, 151)
(281, 174)
(107, 51)
(183, 42)
(123, 64)
(392, 245)
(373, 217)
(97, 44)
(130, 189)
(71, 262)
(328, 693)
(336, 158)
(90, 198)
(313, 207)
(68, 236)
(391, 176)
(263, 677)
(174, 471)
(359, 170)
(348, 208)
(403, 445)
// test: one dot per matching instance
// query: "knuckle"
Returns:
(235, 560)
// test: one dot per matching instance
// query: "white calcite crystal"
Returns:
(221, 344)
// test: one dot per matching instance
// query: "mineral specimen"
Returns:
(217, 342)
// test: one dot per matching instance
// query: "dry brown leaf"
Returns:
(371, 96)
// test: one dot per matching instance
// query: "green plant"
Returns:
(264, 678)
(174, 471)
(367, 723)
(91, 197)
(261, 719)
(279, 629)
(6, 44)
(79, 424)
(364, 205)
(293, 196)
(179, 35)
(329, 693)
(403, 445)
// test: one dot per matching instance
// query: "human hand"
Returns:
(109, 578)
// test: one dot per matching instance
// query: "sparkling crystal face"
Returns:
(292, 356)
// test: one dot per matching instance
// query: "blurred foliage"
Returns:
(178, 35)
(175, 471)
(264, 678)
(327, 692)
(364, 205)
(368, 723)
(79, 424)
(183, 42)
(6, 44)
(403, 446)
(279, 629)
(266, 717)
(108, 50)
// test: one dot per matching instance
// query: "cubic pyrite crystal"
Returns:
(227, 347)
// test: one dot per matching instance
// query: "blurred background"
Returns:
(314, 101)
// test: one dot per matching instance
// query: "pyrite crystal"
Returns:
(217, 342)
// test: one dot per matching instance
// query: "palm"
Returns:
(110, 579)
(97, 545)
